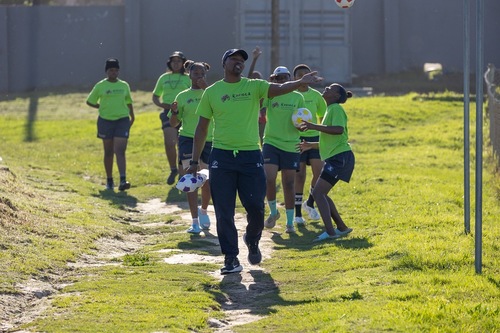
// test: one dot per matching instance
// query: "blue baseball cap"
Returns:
(231, 52)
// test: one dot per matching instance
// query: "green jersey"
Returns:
(113, 99)
(330, 145)
(170, 84)
(187, 102)
(317, 105)
(234, 110)
(280, 131)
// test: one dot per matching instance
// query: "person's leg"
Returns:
(205, 200)
(288, 184)
(300, 179)
(223, 187)
(170, 135)
(108, 145)
(316, 167)
(120, 146)
(271, 172)
(336, 216)
(320, 193)
(252, 192)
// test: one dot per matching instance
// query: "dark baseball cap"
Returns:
(231, 52)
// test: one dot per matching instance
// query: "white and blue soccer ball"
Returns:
(300, 115)
(188, 183)
(344, 3)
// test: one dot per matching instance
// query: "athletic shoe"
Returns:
(290, 229)
(254, 255)
(194, 229)
(204, 220)
(343, 233)
(231, 265)
(299, 220)
(171, 177)
(311, 211)
(270, 222)
(124, 186)
(324, 236)
(110, 187)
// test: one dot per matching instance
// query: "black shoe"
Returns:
(171, 177)
(231, 265)
(254, 255)
(124, 186)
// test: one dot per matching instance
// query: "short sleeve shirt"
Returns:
(187, 101)
(317, 105)
(330, 145)
(113, 99)
(234, 110)
(171, 84)
(280, 131)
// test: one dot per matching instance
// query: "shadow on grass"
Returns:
(174, 195)
(258, 298)
(120, 199)
(304, 239)
(30, 121)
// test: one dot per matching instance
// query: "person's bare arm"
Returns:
(276, 89)
(156, 101)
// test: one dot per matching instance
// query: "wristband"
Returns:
(191, 162)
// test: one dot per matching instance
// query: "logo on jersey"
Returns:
(225, 98)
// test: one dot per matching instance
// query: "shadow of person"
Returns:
(306, 241)
(256, 295)
(122, 200)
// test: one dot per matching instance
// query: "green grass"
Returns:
(407, 267)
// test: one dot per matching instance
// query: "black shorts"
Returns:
(186, 149)
(109, 129)
(283, 159)
(337, 167)
(311, 154)
(165, 120)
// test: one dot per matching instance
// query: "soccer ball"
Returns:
(189, 183)
(300, 115)
(344, 3)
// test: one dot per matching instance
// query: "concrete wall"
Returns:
(47, 47)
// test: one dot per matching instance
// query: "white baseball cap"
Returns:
(281, 70)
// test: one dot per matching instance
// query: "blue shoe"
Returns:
(194, 229)
(270, 222)
(324, 236)
(204, 220)
(343, 233)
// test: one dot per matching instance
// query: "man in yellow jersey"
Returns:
(236, 162)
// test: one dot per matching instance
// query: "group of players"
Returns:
(220, 127)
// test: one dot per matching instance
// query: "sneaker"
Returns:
(204, 220)
(194, 229)
(299, 220)
(110, 187)
(254, 255)
(325, 236)
(124, 186)
(231, 265)
(171, 177)
(271, 220)
(311, 211)
(290, 229)
(343, 233)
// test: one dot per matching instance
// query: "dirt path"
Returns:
(241, 290)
